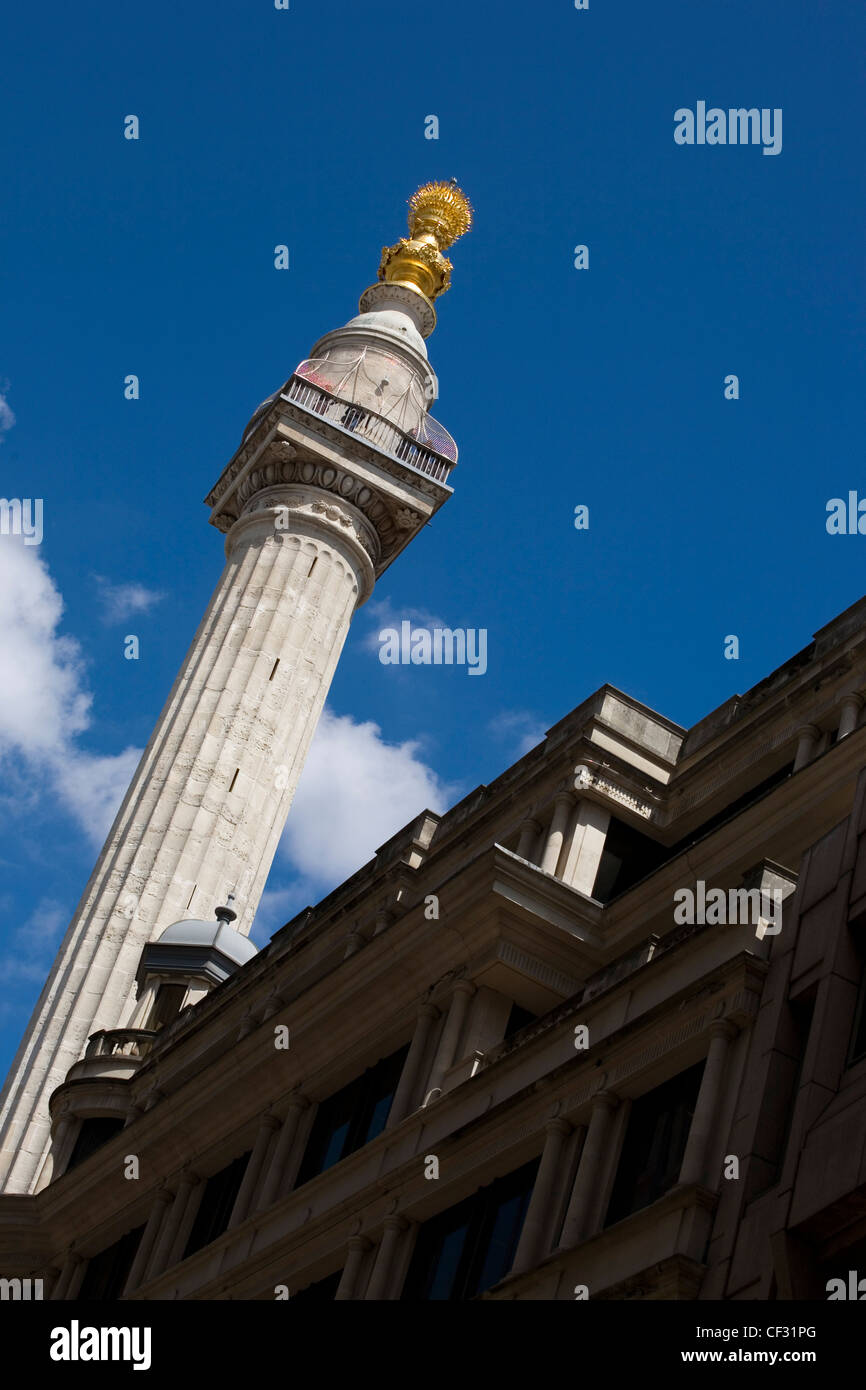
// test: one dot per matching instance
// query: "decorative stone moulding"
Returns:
(586, 779)
(382, 527)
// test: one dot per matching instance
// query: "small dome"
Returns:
(218, 935)
(258, 413)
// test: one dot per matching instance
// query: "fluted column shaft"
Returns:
(807, 738)
(577, 1219)
(253, 1170)
(205, 808)
(148, 1238)
(348, 1285)
(427, 1016)
(530, 1248)
(704, 1120)
(529, 833)
(849, 716)
(171, 1226)
(282, 1152)
(377, 1288)
(562, 808)
(445, 1054)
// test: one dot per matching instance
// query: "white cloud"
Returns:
(356, 791)
(32, 945)
(382, 614)
(44, 703)
(122, 601)
(7, 419)
(519, 728)
(93, 788)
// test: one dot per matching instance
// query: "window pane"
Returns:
(94, 1132)
(654, 1144)
(215, 1207)
(500, 1244)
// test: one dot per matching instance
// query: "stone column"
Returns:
(529, 833)
(445, 1055)
(205, 809)
(67, 1274)
(586, 846)
(347, 1288)
(380, 1279)
(157, 1211)
(807, 738)
(849, 716)
(246, 1191)
(531, 1247)
(171, 1226)
(427, 1015)
(562, 807)
(282, 1152)
(705, 1118)
(577, 1218)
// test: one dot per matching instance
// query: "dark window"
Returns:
(469, 1248)
(92, 1135)
(215, 1207)
(654, 1144)
(627, 857)
(352, 1117)
(107, 1273)
(166, 1005)
(517, 1019)
(323, 1292)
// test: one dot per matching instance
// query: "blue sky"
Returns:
(562, 387)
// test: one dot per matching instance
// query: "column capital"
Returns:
(807, 730)
(853, 698)
(557, 1126)
(464, 986)
(269, 1121)
(605, 1100)
(395, 1223)
(358, 1243)
(532, 822)
(564, 798)
(428, 1011)
(723, 1028)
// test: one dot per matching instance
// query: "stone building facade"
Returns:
(505, 1060)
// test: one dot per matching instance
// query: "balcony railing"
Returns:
(435, 456)
(120, 1042)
